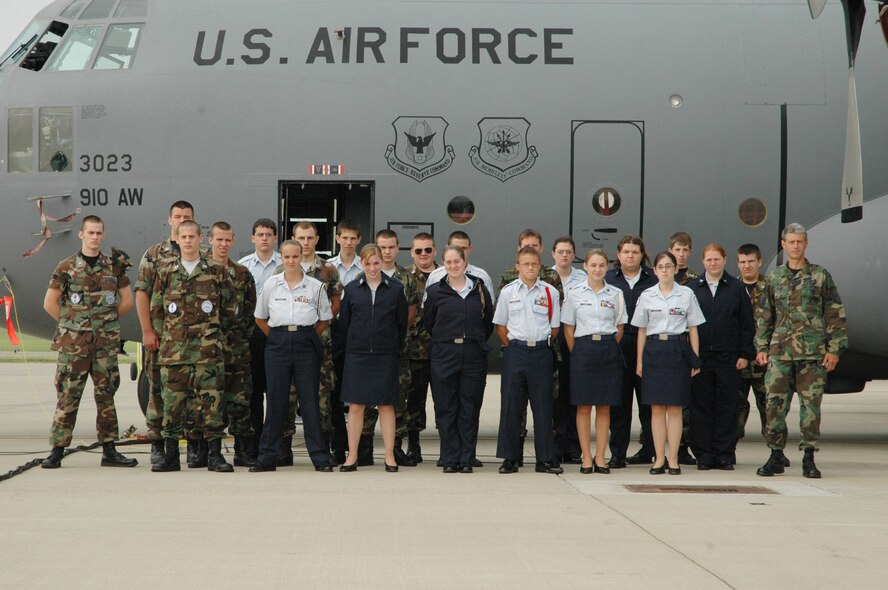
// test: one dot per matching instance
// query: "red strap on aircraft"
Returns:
(10, 329)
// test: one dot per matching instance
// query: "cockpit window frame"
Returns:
(101, 47)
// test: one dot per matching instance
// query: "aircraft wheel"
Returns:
(142, 390)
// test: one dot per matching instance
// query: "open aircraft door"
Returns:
(607, 183)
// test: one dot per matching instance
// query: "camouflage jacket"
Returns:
(416, 332)
(688, 276)
(237, 352)
(801, 316)
(547, 275)
(165, 251)
(88, 318)
(754, 370)
(192, 314)
(325, 272)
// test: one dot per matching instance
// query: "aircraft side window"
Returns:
(44, 48)
(73, 9)
(119, 48)
(22, 43)
(132, 9)
(98, 9)
(77, 49)
(20, 144)
(56, 136)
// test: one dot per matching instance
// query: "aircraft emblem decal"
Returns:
(502, 150)
(420, 150)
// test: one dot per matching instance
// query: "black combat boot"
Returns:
(242, 455)
(414, 451)
(774, 466)
(365, 450)
(401, 458)
(156, 451)
(111, 458)
(170, 460)
(215, 460)
(285, 453)
(809, 469)
(785, 459)
(197, 453)
(54, 461)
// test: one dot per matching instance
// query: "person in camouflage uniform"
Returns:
(423, 253)
(156, 256)
(87, 295)
(531, 238)
(332, 419)
(387, 240)
(192, 308)
(801, 333)
(681, 246)
(238, 384)
(749, 263)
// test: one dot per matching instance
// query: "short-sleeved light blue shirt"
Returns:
(667, 315)
(594, 313)
(304, 305)
(525, 312)
(261, 271)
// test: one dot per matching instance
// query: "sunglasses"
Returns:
(419, 251)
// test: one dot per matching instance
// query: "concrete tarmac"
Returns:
(84, 526)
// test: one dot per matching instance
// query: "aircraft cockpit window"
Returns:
(77, 49)
(43, 49)
(98, 9)
(132, 9)
(18, 49)
(73, 9)
(56, 136)
(119, 48)
(20, 144)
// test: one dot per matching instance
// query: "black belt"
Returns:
(529, 343)
(596, 337)
(291, 328)
(668, 337)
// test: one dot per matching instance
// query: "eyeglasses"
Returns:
(419, 251)
(665, 266)
(564, 252)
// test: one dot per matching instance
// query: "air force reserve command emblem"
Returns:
(502, 150)
(420, 150)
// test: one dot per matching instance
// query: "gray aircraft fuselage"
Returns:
(595, 119)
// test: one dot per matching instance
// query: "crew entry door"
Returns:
(607, 183)
(325, 204)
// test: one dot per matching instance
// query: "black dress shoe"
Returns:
(548, 467)
(615, 463)
(391, 468)
(598, 469)
(572, 458)
(642, 457)
(324, 467)
(439, 463)
(703, 466)
(348, 468)
(508, 466)
(450, 469)
(587, 470)
(685, 457)
(658, 470)
(466, 469)
(724, 466)
(257, 468)
(476, 462)
(673, 470)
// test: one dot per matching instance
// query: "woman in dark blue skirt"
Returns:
(667, 316)
(373, 320)
(593, 315)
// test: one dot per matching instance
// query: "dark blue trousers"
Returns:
(714, 410)
(621, 415)
(458, 376)
(292, 357)
(257, 376)
(527, 374)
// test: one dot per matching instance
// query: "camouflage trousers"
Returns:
(71, 373)
(757, 384)
(325, 393)
(154, 413)
(236, 399)
(371, 414)
(808, 379)
(192, 400)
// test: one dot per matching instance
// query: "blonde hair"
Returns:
(368, 251)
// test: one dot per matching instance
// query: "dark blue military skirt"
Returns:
(371, 379)
(596, 372)
(665, 373)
